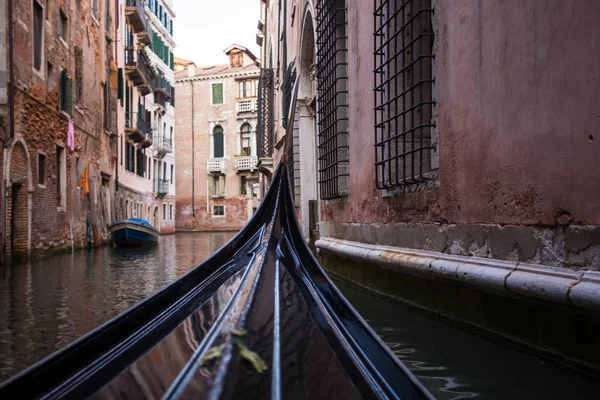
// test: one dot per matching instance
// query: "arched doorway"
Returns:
(19, 199)
(307, 127)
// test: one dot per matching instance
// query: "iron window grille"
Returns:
(265, 113)
(293, 162)
(332, 99)
(403, 92)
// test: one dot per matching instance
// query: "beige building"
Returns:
(146, 169)
(216, 148)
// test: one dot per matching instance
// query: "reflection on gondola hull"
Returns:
(134, 232)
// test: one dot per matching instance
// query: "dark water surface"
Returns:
(47, 303)
(454, 363)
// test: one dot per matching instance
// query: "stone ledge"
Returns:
(580, 289)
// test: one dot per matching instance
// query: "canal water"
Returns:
(47, 303)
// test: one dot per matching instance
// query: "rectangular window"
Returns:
(66, 92)
(243, 185)
(217, 185)
(403, 92)
(171, 212)
(217, 93)
(95, 8)
(164, 212)
(63, 26)
(106, 101)
(79, 75)
(61, 177)
(172, 174)
(218, 211)
(38, 35)
(41, 169)
(332, 99)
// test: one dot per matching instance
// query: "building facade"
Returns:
(146, 169)
(216, 147)
(446, 149)
(57, 76)
(86, 116)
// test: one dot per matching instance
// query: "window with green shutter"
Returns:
(66, 92)
(217, 93)
(218, 143)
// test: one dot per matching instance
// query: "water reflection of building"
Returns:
(216, 148)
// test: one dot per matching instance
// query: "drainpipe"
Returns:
(193, 156)
(119, 147)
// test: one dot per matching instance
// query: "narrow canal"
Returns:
(47, 303)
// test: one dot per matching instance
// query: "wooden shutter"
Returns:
(69, 96)
(222, 185)
(211, 186)
(218, 151)
(217, 93)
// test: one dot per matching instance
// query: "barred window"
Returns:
(403, 92)
(332, 90)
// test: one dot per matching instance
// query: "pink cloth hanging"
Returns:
(71, 136)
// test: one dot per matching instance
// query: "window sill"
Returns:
(61, 209)
(95, 19)
(41, 186)
(80, 110)
(432, 182)
(64, 43)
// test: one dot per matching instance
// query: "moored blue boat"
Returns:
(134, 232)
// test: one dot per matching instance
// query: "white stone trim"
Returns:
(578, 288)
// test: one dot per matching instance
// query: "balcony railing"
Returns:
(216, 165)
(163, 145)
(160, 99)
(136, 128)
(161, 187)
(139, 69)
(134, 11)
(246, 163)
(247, 105)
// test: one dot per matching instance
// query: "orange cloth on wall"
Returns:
(84, 182)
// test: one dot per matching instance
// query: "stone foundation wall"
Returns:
(574, 246)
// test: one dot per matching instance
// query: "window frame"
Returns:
(212, 93)
(63, 25)
(215, 207)
(42, 172)
(42, 40)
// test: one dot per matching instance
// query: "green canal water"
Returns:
(47, 303)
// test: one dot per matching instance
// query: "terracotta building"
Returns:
(447, 153)
(216, 149)
(146, 173)
(57, 66)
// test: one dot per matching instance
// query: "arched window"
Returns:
(218, 143)
(246, 140)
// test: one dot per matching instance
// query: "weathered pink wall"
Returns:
(519, 115)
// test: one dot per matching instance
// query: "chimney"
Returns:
(191, 70)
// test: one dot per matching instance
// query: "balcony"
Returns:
(135, 13)
(139, 70)
(136, 128)
(246, 164)
(216, 165)
(161, 187)
(160, 99)
(163, 145)
(147, 142)
(246, 105)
